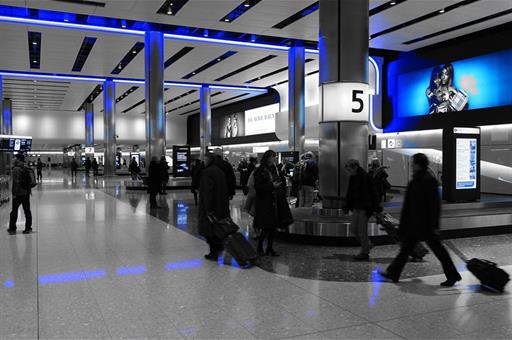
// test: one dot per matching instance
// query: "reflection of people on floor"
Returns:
(420, 222)
(154, 181)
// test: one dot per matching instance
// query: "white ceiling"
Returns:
(60, 46)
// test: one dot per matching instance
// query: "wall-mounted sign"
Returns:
(344, 102)
(259, 149)
(14, 143)
(261, 120)
(89, 150)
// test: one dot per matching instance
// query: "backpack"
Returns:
(30, 178)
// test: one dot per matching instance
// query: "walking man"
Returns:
(420, 222)
(21, 189)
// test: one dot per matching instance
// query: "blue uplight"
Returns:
(9, 284)
(137, 270)
(376, 281)
(71, 277)
(185, 264)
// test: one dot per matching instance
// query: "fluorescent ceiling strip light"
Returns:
(50, 76)
(172, 36)
(236, 88)
(129, 81)
(39, 22)
(15, 136)
(312, 51)
(171, 84)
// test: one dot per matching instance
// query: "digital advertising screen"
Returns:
(11, 143)
(261, 120)
(466, 163)
(475, 83)
(181, 161)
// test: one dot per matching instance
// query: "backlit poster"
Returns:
(475, 83)
(261, 120)
(466, 163)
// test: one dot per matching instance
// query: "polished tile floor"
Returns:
(101, 264)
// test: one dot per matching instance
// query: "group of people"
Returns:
(88, 165)
(158, 177)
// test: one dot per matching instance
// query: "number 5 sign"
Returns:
(344, 102)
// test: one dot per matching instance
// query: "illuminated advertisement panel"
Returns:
(475, 83)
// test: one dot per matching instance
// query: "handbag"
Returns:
(222, 228)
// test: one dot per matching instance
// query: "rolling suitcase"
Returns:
(488, 273)
(390, 226)
(241, 250)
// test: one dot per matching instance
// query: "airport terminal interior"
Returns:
(255, 169)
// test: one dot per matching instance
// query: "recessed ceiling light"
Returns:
(34, 42)
(35, 61)
(226, 20)
(218, 59)
(123, 26)
(392, 3)
(441, 11)
(134, 51)
(66, 20)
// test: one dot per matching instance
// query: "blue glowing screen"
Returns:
(475, 83)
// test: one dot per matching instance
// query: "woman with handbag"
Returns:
(266, 184)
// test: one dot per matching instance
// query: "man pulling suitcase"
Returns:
(420, 222)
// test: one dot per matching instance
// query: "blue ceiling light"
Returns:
(239, 10)
(238, 88)
(50, 76)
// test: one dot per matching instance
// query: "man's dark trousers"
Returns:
(434, 243)
(16, 202)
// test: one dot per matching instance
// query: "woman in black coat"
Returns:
(164, 167)
(154, 181)
(213, 200)
(266, 183)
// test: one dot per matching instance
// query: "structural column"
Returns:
(296, 101)
(89, 124)
(109, 125)
(155, 113)
(343, 94)
(5, 129)
(206, 120)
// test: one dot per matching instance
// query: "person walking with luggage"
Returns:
(213, 201)
(154, 181)
(95, 167)
(164, 167)
(39, 167)
(87, 165)
(420, 222)
(266, 184)
(361, 200)
(74, 168)
(226, 167)
(21, 190)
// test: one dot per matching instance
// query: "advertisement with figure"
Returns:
(466, 163)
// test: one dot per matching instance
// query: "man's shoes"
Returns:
(27, 231)
(11, 232)
(362, 257)
(211, 257)
(388, 276)
(451, 282)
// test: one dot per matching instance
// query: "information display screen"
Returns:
(466, 163)
(181, 161)
(11, 143)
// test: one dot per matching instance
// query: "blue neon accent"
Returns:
(9, 284)
(376, 281)
(486, 80)
(71, 277)
(185, 264)
(54, 76)
(137, 270)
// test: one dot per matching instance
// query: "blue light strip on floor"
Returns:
(71, 277)
(125, 271)
(185, 264)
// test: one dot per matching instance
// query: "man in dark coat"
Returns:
(227, 169)
(213, 201)
(87, 165)
(21, 189)
(154, 181)
(362, 201)
(420, 222)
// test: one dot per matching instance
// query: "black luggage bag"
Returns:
(488, 273)
(390, 226)
(223, 228)
(241, 250)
